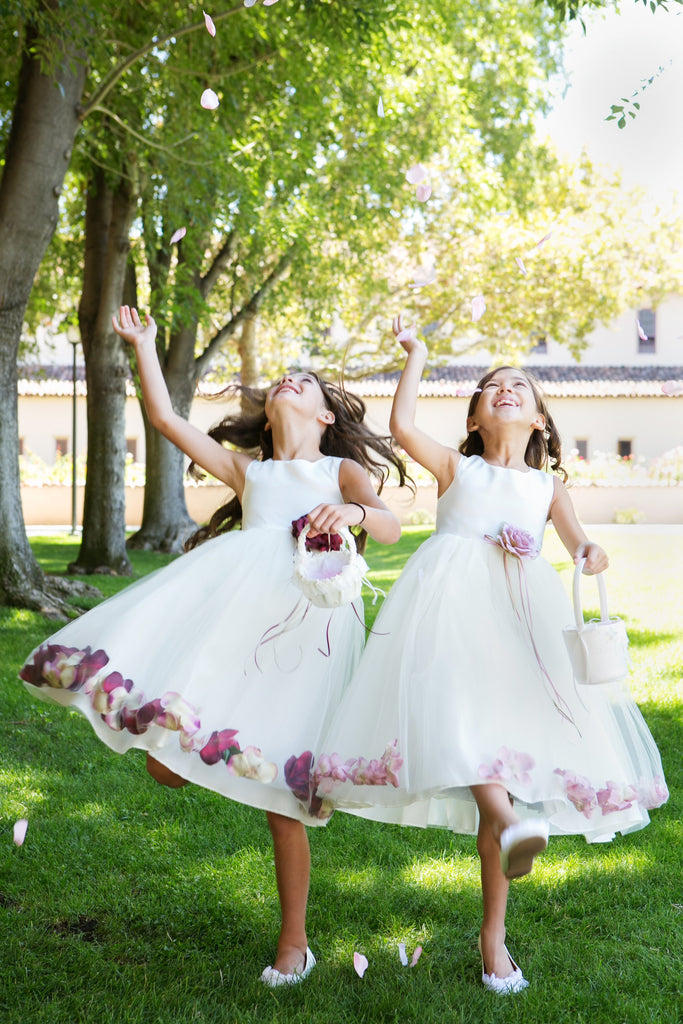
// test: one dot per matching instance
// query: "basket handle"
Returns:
(602, 590)
(343, 532)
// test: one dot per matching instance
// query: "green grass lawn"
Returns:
(132, 903)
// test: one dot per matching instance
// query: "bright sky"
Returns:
(613, 59)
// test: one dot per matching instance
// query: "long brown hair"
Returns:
(545, 446)
(347, 438)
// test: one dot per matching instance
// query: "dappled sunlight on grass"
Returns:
(447, 875)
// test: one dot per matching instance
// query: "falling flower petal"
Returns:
(249, 3)
(208, 21)
(478, 307)
(380, 108)
(423, 192)
(543, 240)
(424, 275)
(416, 174)
(416, 955)
(269, 3)
(402, 953)
(520, 263)
(641, 333)
(177, 235)
(20, 831)
(360, 964)
(464, 392)
(672, 388)
(209, 99)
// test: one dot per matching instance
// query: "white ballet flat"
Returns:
(519, 844)
(273, 978)
(510, 985)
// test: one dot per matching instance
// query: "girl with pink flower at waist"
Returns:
(217, 665)
(463, 712)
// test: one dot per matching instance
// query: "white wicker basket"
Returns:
(329, 578)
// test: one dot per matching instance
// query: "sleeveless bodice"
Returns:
(276, 491)
(482, 497)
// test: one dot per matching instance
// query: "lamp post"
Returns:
(74, 336)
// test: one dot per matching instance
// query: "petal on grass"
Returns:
(672, 388)
(209, 99)
(208, 21)
(177, 235)
(402, 953)
(360, 964)
(416, 955)
(380, 108)
(478, 308)
(423, 192)
(416, 174)
(20, 831)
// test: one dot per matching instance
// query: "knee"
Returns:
(282, 827)
(163, 775)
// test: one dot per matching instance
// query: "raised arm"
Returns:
(437, 458)
(225, 465)
(571, 533)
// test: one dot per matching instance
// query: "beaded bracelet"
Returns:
(358, 505)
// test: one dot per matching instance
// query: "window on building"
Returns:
(624, 449)
(540, 347)
(132, 447)
(61, 446)
(581, 447)
(646, 328)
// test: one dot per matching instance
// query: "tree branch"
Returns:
(253, 306)
(118, 72)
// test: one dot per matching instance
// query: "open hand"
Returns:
(131, 328)
(407, 336)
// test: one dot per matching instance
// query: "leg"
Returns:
(163, 775)
(496, 814)
(292, 873)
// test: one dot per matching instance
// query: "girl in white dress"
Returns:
(465, 684)
(216, 663)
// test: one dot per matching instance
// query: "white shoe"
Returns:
(519, 844)
(510, 985)
(273, 978)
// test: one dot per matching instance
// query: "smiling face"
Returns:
(299, 394)
(506, 398)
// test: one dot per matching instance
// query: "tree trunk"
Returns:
(44, 124)
(166, 522)
(108, 219)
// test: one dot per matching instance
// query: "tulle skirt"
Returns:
(215, 664)
(466, 680)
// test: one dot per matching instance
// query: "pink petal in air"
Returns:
(423, 192)
(671, 388)
(249, 3)
(208, 21)
(424, 275)
(177, 235)
(20, 831)
(641, 333)
(380, 108)
(209, 99)
(416, 955)
(360, 964)
(543, 240)
(407, 334)
(402, 953)
(416, 174)
(478, 307)
(269, 3)
(520, 263)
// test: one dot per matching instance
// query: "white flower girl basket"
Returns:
(598, 650)
(329, 578)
